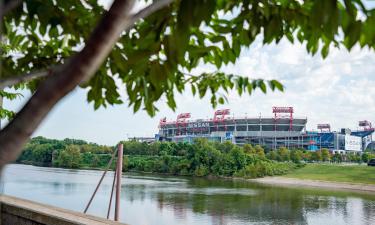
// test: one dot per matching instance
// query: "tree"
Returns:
(316, 156)
(69, 158)
(365, 157)
(153, 51)
(296, 156)
(325, 155)
(337, 157)
(249, 149)
(272, 155)
(42, 154)
(283, 154)
(306, 156)
(259, 151)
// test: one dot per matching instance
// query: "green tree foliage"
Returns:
(69, 157)
(42, 151)
(272, 155)
(316, 156)
(152, 59)
(326, 156)
(296, 155)
(365, 157)
(337, 157)
(283, 154)
(259, 150)
(249, 149)
(201, 158)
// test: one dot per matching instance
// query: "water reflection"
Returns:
(148, 199)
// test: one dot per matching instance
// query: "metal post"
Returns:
(1, 106)
(118, 181)
(113, 187)
(100, 182)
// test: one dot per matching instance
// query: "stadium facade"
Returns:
(281, 130)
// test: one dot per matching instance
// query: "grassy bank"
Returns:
(335, 173)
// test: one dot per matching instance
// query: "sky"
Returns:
(339, 90)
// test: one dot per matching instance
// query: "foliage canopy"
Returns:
(155, 58)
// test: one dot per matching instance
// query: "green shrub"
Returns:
(201, 171)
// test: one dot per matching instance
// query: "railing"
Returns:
(15, 211)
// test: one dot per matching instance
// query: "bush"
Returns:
(264, 168)
(69, 158)
(201, 171)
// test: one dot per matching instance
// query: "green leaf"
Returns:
(325, 50)
(277, 85)
(221, 100)
(137, 105)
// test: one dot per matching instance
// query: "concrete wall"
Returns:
(15, 211)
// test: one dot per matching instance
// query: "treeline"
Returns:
(281, 155)
(68, 153)
(202, 158)
(322, 155)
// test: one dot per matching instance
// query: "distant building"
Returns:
(281, 130)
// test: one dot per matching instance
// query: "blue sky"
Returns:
(338, 90)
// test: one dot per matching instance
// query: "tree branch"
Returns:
(148, 10)
(11, 81)
(8, 82)
(65, 78)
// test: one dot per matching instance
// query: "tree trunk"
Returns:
(65, 79)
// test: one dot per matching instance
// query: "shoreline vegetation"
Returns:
(209, 159)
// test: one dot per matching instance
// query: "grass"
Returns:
(336, 173)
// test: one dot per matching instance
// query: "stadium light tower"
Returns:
(283, 112)
(219, 116)
(181, 121)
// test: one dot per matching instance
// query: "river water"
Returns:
(159, 200)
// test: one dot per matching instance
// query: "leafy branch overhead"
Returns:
(153, 58)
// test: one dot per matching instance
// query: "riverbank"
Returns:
(354, 174)
(294, 182)
(328, 176)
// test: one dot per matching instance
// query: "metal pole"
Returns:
(118, 182)
(113, 188)
(1, 105)
(100, 182)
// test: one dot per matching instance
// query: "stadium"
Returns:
(281, 130)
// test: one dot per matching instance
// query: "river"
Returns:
(165, 200)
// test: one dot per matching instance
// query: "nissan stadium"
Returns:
(281, 130)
